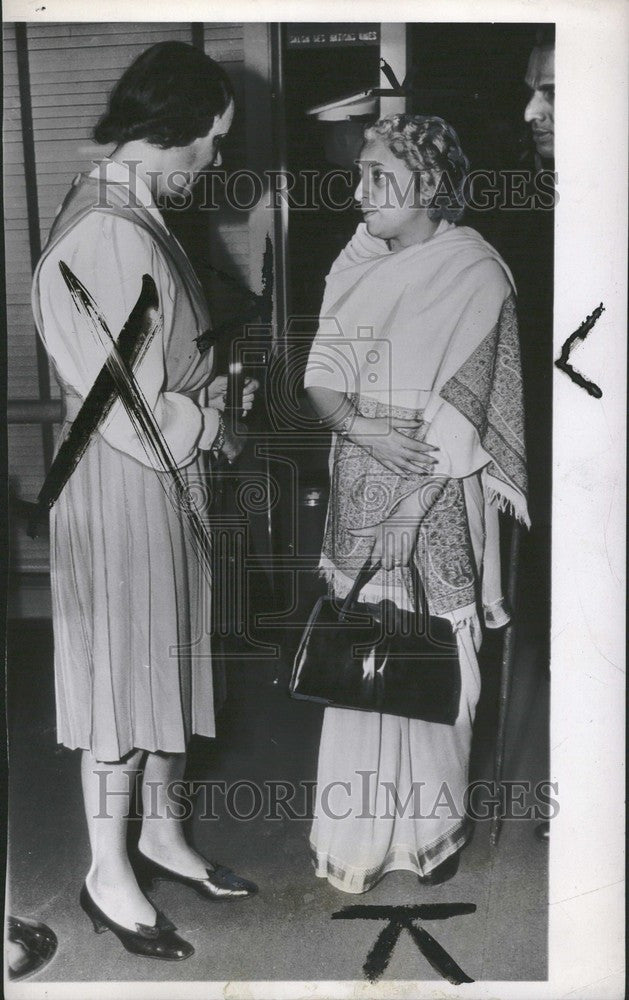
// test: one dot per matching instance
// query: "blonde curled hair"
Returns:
(428, 146)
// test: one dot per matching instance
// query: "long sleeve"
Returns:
(460, 451)
(333, 361)
(109, 256)
(211, 421)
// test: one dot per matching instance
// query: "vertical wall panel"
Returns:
(25, 450)
(22, 368)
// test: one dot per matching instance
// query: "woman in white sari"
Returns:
(416, 369)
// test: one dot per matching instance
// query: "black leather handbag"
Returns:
(378, 658)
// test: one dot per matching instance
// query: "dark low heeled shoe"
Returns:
(158, 941)
(221, 883)
(34, 945)
(443, 872)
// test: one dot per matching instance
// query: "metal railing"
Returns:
(34, 411)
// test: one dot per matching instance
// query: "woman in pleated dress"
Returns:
(133, 669)
(415, 367)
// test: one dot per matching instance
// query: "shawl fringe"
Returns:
(508, 501)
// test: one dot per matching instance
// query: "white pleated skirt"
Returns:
(131, 612)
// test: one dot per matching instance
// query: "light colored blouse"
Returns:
(109, 255)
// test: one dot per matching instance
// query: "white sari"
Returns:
(441, 315)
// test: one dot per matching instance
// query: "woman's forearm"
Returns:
(335, 411)
(388, 440)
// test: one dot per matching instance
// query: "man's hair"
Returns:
(169, 96)
(427, 145)
(545, 36)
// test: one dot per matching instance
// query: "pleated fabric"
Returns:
(131, 611)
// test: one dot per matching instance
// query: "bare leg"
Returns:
(111, 883)
(162, 838)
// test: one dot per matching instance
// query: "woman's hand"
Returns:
(216, 392)
(382, 436)
(394, 538)
(217, 389)
(396, 451)
(248, 394)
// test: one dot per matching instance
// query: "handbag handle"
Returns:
(421, 599)
(368, 570)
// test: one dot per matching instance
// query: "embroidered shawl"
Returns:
(430, 330)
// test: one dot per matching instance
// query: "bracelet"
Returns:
(219, 440)
(347, 422)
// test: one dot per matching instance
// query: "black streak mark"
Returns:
(144, 422)
(266, 311)
(400, 918)
(578, 336)
(132, 342)
(260, 306)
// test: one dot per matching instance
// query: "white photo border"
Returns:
(586, 918)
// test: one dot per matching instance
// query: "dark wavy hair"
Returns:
(169, 96)
(428, 146)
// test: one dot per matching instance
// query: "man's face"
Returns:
(540, 111)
